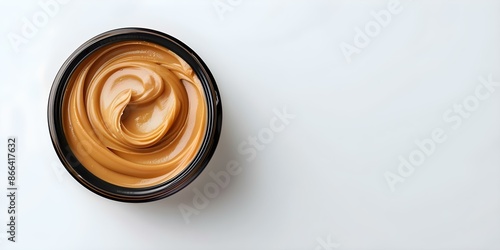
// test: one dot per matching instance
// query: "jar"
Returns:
(134, 115)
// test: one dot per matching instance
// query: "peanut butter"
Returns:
(134, 114)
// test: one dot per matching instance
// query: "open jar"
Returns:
(134, 115)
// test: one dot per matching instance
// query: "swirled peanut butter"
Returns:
(134, 114)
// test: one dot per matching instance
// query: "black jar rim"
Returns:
(126, 194)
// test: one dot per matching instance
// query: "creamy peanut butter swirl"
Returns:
(134, 114)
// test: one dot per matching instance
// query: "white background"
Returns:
(319, 180)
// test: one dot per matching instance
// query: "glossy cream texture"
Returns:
(134, 114)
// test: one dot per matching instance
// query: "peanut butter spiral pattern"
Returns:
(135, 114)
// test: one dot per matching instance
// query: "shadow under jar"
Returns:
(134, 115)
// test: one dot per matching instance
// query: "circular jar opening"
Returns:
(134, 115)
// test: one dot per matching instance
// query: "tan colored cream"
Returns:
(134, 114)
